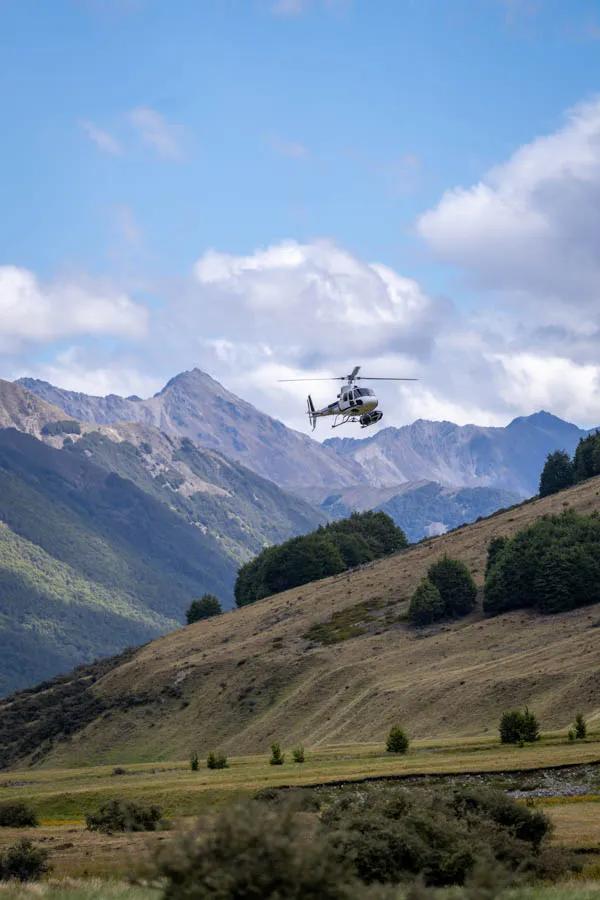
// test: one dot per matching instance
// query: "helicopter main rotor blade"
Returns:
(337, 378)
(376, 378)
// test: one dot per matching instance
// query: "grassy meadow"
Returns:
(62, 797)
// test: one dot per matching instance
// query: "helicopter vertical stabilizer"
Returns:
(311, 413)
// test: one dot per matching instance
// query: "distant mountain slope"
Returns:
(423, 509)
(509, 458)
(89, 562)
(258, 674)
(108, 532)
(195, 406)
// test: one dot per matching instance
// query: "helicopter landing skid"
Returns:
(345, 421)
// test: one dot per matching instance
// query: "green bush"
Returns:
(277, 757)
(519, 727)
(580, 727)
(207, 606)
(440, 835)
(216, 761)
(23, 862)
(329, 550)
(16, 814)
(121, 815)
(426, 604)
(455, 584)
(298, 754)
(257, 851)
(553, 566)
(194, 762)
(397, 741)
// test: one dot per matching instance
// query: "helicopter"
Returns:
(353, 404)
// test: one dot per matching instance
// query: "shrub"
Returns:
(455, 584)
(23, 862)
(17, 814)
(194, 762)
(216, 761)
(255, 850)
(558, 473)
(580, 727)
(441, 835)
(518, 727)
(120, 815)
(207, 606)
(119, 770)
(397, 741)
(298, 754)
(553, 565)
(277, 757)
(426, 604)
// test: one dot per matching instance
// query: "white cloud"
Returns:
(32, 312)
(101, 138)
(291, 149)
(157, 132)
(532, 225)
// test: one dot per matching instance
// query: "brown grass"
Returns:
(244, 679)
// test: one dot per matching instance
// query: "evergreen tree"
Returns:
(580, 728)
(426, 604)
(455, 584)
(558, 473)
(207, 606)
(397, 741)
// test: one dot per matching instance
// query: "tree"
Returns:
(426, 604)
(558, 473)
(194, 762)
(495, 548)
(580, 728)
(455, 584)
(277, 757)
(553, 565)
(207, 606)
(586, 462)
(397, 741)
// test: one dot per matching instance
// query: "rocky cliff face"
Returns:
(195, 406)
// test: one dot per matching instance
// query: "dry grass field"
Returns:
(252, 676)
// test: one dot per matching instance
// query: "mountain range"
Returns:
(116, 512)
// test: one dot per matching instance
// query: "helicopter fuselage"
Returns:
(353, 404)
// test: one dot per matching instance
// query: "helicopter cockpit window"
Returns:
(363, 392)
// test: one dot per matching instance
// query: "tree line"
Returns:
(329, 550)
(560, 471)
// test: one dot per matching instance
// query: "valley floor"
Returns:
(562, 778)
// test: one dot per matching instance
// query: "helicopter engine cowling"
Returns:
(371, 418)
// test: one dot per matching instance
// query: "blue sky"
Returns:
(139, 135)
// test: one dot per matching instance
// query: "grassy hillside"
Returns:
(266, 672)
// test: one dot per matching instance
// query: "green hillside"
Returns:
(89, 563)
